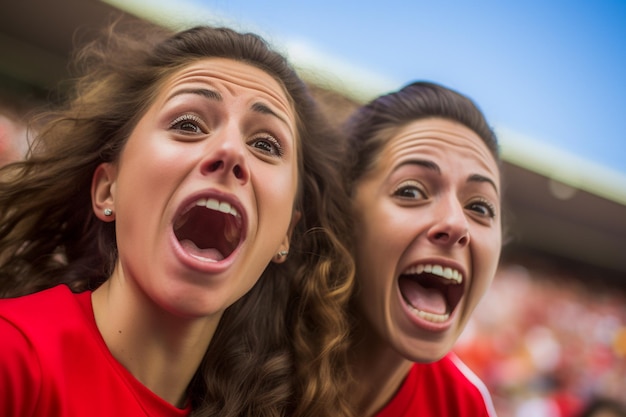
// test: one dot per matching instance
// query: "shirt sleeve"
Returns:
(20, 372)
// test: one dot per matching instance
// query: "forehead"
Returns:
(233, 77)
(438, 139)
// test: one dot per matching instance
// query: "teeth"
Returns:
(224, 208)
(439, 270)
(432, 317)
(216, 205)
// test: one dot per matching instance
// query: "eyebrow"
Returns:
(264, 109)
(215, 96)
(434, 167)
(206, 93)
(422, 163)
(482, 178)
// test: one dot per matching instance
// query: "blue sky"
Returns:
(551, 71)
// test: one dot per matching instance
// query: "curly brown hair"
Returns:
(281, 349)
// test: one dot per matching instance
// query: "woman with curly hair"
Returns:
(169, 246)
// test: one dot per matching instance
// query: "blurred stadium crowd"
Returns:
(548, 344)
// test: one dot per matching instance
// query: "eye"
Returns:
(267, 144)
(409, 190)
(187, 123)
(483, 208)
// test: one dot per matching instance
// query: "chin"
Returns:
(426, 351)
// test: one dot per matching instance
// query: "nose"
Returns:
(450, 226)
(225, 157)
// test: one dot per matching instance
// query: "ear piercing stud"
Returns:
(283, 253)
(108, 212)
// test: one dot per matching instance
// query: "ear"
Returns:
(103, 191)
(283, 249)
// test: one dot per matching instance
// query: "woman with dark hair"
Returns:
(166, 249)
(424, 179)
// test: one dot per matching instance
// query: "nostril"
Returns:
(225, 167)
(441, 235)
(464, 240)
(238, 172)
(215, 166)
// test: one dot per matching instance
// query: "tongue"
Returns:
(424, 299)
(211, 254)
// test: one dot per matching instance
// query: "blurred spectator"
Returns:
(547, 343)
(603, 407)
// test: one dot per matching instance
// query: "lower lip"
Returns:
(423, 323)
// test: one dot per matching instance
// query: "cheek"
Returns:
(372, 293)
(144, 162)
(366, 236)
(492, 251)
(143, 186)
(383, 231)
(486, 262)
(280, 187)
(387, 231)
(280, 179)
(275, 194)
(378, 248)
(142, 195)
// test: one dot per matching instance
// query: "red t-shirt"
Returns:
(54, 362)
(446, 388)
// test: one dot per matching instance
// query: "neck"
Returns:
(162, 351)
(379, 369)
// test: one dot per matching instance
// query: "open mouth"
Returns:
(209, 229)
(431, 291)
